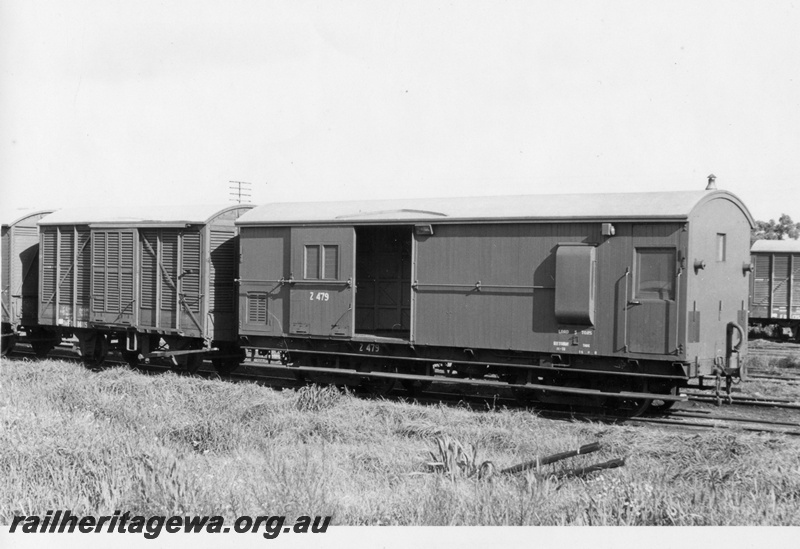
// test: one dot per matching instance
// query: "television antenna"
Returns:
(240, 191)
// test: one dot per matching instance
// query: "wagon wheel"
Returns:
(131, 357)
(228, 364)
(658, 406)
(526, 397)
(42, 348)
(414, 386)
(379, 386)
(42, 342)
(225, 366)
(98, 349)
(632, 406)
(193, 362)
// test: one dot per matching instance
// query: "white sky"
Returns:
(105, 101)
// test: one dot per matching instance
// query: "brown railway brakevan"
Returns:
(775, 291)
(619, 298)
(20, 272)
(148, 281)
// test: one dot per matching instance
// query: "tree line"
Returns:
(772, 230)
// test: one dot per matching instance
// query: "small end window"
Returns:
(721, 247)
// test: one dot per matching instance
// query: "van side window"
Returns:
(655, 273)
(321, 262)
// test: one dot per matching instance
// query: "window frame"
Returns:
(722, 247)
(321, 271)
(648, 295)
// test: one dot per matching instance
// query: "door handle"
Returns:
(634, 303)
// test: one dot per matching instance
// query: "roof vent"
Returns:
(712, 186)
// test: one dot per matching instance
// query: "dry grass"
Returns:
(788, 362)
(166, 444)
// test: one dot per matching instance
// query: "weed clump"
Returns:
(453, 460)
(315, 398)
(418, 429)
(202, 437)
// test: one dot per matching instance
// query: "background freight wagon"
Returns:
(20, 277)
(131, 278)
(775, 295)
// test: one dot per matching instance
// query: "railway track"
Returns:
(762, 347)
(260, 371)
(745, 400)
(692, 420)
(697, 421)
(775, 377)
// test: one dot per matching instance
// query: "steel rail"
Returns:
(731, 425)
(753, 403)
(686, 413)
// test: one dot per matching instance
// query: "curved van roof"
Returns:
(30, 215)
(677, 205)
(776, 246)
(141, 215)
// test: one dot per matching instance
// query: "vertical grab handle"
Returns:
(734, 326)
(625, 308)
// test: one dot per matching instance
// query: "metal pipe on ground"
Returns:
(538, 462)
(579, 471)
